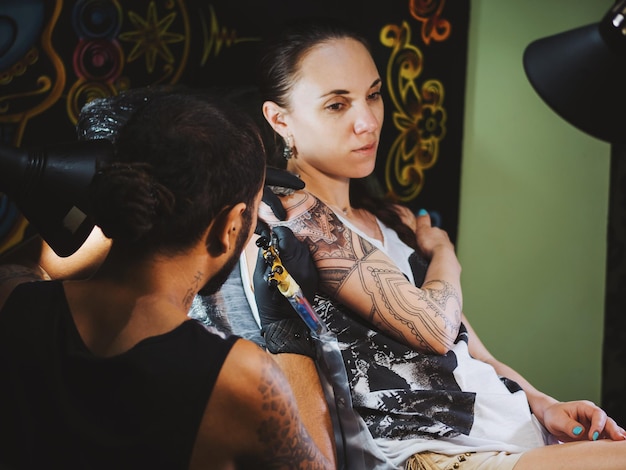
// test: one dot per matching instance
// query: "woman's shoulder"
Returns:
(295, 204)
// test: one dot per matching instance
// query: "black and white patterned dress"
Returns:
(412, 401)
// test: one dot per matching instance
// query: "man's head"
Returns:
(183, 160)
(243, 236)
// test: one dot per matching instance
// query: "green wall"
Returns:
(534, 204)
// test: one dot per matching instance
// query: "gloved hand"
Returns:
(272, 305)
(283, 329)
(281, 181)
(277, 181)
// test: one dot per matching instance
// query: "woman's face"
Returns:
(336, 110)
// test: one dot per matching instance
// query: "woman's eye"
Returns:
(375, 96)
(335, 106)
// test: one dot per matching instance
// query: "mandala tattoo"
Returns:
(335, 249)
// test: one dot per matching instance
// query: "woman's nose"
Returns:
(367, 121)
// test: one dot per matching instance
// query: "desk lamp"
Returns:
(49, 187)
(581, 75)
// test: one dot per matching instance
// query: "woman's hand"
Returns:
(580, 420)
(429, 238)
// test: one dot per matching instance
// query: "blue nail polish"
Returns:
(577, 430)
(596, 435)
(422, 212)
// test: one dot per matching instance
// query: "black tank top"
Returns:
(62, 407)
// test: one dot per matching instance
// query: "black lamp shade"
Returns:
(581, 75)
(49, 185)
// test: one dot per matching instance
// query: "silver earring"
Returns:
(287, 149)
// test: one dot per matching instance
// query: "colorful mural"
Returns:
(57, 55)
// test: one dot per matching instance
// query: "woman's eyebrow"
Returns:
(346, 92)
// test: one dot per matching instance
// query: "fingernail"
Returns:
(422, 212)
(596, 435)
(577, 430)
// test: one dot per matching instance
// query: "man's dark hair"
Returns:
(182, 159)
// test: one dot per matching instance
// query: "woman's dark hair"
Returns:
(278, 68)
(283, 51)
(181, 160)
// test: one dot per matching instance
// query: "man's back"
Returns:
(60, 403)
(183, 399)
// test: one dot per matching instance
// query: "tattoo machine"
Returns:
(287, 285)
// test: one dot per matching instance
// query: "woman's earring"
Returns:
(288, 148)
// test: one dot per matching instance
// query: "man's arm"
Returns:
(366, 280)
(302, 375)
(252, 418)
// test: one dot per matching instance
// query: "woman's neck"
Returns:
(331, 190)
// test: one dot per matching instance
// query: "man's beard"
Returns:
(221, 276)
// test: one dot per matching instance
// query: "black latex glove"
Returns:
(278, 178)
(419, 266)
(295, 256)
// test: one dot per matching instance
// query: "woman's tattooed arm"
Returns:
(357, 274)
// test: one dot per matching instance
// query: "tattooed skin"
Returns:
(281, 431)
(192, 291)
(350, 266)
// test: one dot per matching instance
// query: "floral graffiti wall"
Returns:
(56, 55)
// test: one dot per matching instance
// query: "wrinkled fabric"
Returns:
(356, 449)
(228, 310)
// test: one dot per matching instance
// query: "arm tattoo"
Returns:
(422, 317)
(281, 431)
(333, 247)
(422, 312)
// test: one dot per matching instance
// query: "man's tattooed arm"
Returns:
(282, 430)
(357, 274)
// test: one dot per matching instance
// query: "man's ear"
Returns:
(222, 233)
(275, 116)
